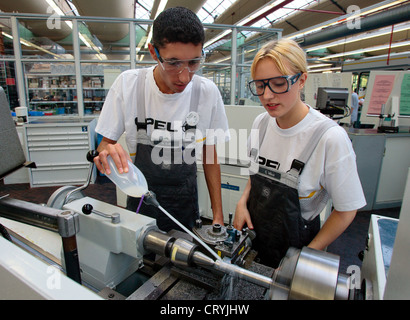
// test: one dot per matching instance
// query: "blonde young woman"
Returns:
(304, 160)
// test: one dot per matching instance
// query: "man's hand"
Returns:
(113, 149)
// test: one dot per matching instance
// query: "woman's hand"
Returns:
(242, 215)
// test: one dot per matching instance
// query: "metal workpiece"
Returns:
(241, 273)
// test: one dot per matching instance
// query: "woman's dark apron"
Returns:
(274, 204)
(173, 181)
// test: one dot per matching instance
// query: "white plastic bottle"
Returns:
(132, 183)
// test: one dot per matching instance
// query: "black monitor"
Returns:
(332, 100)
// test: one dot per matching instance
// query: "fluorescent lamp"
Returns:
(319, 65)
(370, 49)
(326, 70)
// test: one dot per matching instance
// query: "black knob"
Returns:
(91, 155)
(87, 208)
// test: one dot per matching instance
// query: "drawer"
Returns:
(59, 175)
(56, 140)
(59, 155)
(57, 130)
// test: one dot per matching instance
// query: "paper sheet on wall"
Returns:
(405, 96)
(382, 87)
(109, 77)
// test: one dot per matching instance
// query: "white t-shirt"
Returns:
(332, 165)
(162, 111)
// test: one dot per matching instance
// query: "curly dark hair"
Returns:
(177, 24)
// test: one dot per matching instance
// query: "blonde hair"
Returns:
(287, 55)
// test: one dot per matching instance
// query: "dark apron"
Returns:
(174, 184)
(274, 206)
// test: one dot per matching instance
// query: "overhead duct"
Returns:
(106, 8)
(375, 21)
(37, 27)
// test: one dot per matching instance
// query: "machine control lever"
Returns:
(88, 209)
(90, 157)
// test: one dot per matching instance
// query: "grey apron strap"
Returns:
(298, 164)
(141, 93)
(263, 125)
(319, 132)
(141, 114)
(196, 92)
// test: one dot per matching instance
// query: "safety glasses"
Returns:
(277, 85)
(177, 66)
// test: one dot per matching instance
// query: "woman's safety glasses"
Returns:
(277, 85)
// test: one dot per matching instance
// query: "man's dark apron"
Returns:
(174, 184)
(274, 204)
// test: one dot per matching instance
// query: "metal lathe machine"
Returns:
(77, 247)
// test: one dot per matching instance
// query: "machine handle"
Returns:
(91, 155)
(88, 209)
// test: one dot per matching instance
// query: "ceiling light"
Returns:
(319, 65)
(370, 49)
(326, 70)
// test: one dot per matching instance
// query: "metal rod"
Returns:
(71, 260)
(245, 274)
(64, 222)
(29, 213)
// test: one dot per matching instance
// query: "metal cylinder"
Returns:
(343, 287)
(182, 252)
(315, 276)
(244, 274)
(158, 242)
(309, 274)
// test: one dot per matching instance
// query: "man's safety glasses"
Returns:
(177, 66)
(277, 85)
